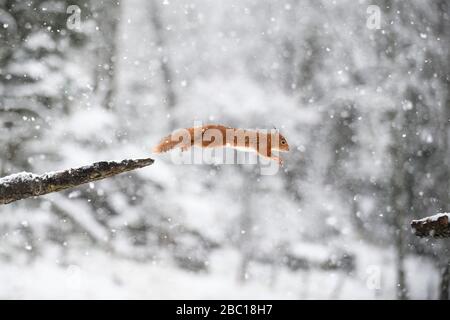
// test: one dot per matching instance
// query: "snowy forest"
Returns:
(358, 88)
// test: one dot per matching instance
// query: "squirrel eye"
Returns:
(283, 142)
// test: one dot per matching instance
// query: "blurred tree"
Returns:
(419, 103)
(36, 87)
(164, 55)
(34, 42)
(107, 15)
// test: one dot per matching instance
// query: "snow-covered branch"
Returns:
(436, 226)
(24, 185)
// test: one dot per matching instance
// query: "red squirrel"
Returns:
(217, 136)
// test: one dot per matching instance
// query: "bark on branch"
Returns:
(436, 226)
(24, 185)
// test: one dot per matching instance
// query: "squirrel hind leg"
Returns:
(273, 158)
(278, 159)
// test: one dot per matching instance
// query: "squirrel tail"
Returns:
(166, 144)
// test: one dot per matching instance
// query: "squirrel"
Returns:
(217, 136)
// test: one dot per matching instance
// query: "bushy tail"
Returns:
(166, 144)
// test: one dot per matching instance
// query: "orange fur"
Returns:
(264, 143)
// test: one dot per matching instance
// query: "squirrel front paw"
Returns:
(280, 161)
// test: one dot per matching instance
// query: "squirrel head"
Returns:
(283, 145)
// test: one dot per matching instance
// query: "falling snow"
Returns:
(364, 111)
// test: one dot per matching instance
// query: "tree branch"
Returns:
(436, 226)
(24, 185)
